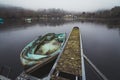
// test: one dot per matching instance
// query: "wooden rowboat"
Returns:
(43, 49)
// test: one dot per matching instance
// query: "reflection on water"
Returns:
(17, 23)
(100, 42)
(8, 24)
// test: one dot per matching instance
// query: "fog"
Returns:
(69, 5)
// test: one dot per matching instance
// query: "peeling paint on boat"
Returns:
(43, 47)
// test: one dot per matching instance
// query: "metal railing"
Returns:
(82, 59)
(99, 73)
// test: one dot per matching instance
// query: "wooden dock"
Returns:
(69, 63)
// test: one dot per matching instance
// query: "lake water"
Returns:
(101, 43)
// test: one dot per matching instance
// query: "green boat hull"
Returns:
(42, 49)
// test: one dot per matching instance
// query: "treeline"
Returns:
(8, 12)
(105, 14)
(20, 13)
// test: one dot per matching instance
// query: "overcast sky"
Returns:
(69, 5)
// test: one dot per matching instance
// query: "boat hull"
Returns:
(43, 49)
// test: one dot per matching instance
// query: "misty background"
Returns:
(69, 5)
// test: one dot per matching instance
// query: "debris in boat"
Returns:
(42, 48)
